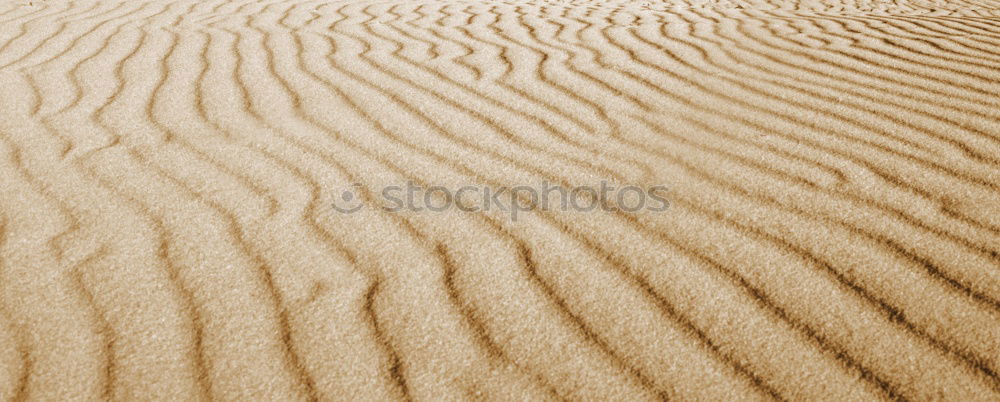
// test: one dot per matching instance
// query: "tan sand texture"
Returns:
(168, 170)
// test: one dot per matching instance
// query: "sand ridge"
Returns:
(168, 169)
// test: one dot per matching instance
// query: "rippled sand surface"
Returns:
(168, 170)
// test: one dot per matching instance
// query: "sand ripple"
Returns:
(168, 167)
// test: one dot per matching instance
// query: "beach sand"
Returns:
(172, 170)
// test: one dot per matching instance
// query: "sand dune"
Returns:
(170, 167)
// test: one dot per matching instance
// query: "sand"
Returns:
(170, 168)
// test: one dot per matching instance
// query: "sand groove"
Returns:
(166, 228)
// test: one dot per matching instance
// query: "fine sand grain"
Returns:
(169, 170)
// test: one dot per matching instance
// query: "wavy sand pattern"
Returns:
(168, 167)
